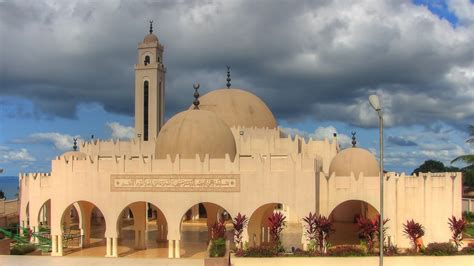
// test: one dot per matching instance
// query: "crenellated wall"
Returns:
(264, 178)
(249, 141)
(427, 198)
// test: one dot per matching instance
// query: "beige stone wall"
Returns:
(263, 179)
(430, 199)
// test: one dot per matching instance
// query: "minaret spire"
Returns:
(228, 77)
(196, 96)
(353, 138)
(74, 147)
(151, 26)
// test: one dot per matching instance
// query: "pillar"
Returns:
(195, 212)
(114, 247)
(139, 210)
(170, 249)
(54, 245)
(34, 230)
(108, 248)
(176, 249)
(60, 245)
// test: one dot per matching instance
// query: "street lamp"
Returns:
(375, 103)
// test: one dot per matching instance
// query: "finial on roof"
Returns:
(74, 147)
(196, 96)
(151, 26)
(228, 77)
(353, 138)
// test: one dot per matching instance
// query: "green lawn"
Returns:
(469, 230)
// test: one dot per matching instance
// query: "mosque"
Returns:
(160, 190)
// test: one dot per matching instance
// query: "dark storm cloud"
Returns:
(304, 58)
(400, 141)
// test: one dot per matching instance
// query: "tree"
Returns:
(2, 194)
(434, 167)
(468, 171)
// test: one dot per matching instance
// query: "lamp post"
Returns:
(375, 103)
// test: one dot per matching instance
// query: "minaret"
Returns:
(149, 87)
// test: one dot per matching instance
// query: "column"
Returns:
(33, 239)
(176, 249)
(108, 249)
(245, 237)
(54, 245)
(60, 245)
(114, 247)
(170, 249)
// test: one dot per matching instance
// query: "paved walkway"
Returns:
(7, 260)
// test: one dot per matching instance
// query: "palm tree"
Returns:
(468, 159)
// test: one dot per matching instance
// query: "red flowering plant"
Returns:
(457, 226)
(218, 230)
(277, 223)
(318, 228)
(239, 222)
(369, 230)
(414, 231)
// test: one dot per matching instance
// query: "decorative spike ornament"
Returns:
(228, 77)
(196, 96)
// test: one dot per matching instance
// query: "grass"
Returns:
(469, 230)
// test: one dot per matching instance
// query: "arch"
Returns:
(344, 217)
(83, 225)
(44, 215)
(27, 215)
(258, 230)
(195, 227)
(142, 229)
(147, 60)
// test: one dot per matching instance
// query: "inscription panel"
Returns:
(175, 183)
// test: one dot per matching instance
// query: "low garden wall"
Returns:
(461, 260)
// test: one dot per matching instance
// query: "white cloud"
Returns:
(8, 155)
(463, 9)
(60, 141)
(119, 131)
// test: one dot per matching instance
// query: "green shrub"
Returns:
(346, 251)
(469, 250)
(260, 252)
(22, 249)
(440, 249)
(469, 216)
(217, 248)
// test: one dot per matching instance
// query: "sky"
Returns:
(66, 70)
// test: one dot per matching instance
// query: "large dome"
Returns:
(354, 160)
(238, 108)
(195, 132)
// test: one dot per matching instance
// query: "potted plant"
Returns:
(217, 247)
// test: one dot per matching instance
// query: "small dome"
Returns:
(195, 132)
(354, 160)
(150, 38)
(76, 154)
(238, 108)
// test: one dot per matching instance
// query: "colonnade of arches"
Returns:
(142, 228)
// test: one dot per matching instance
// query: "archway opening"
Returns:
(196, 226)
(44, 216)
(259, 227)
(27, 214)
(344, 218)
(83, 226)
(143, 231)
